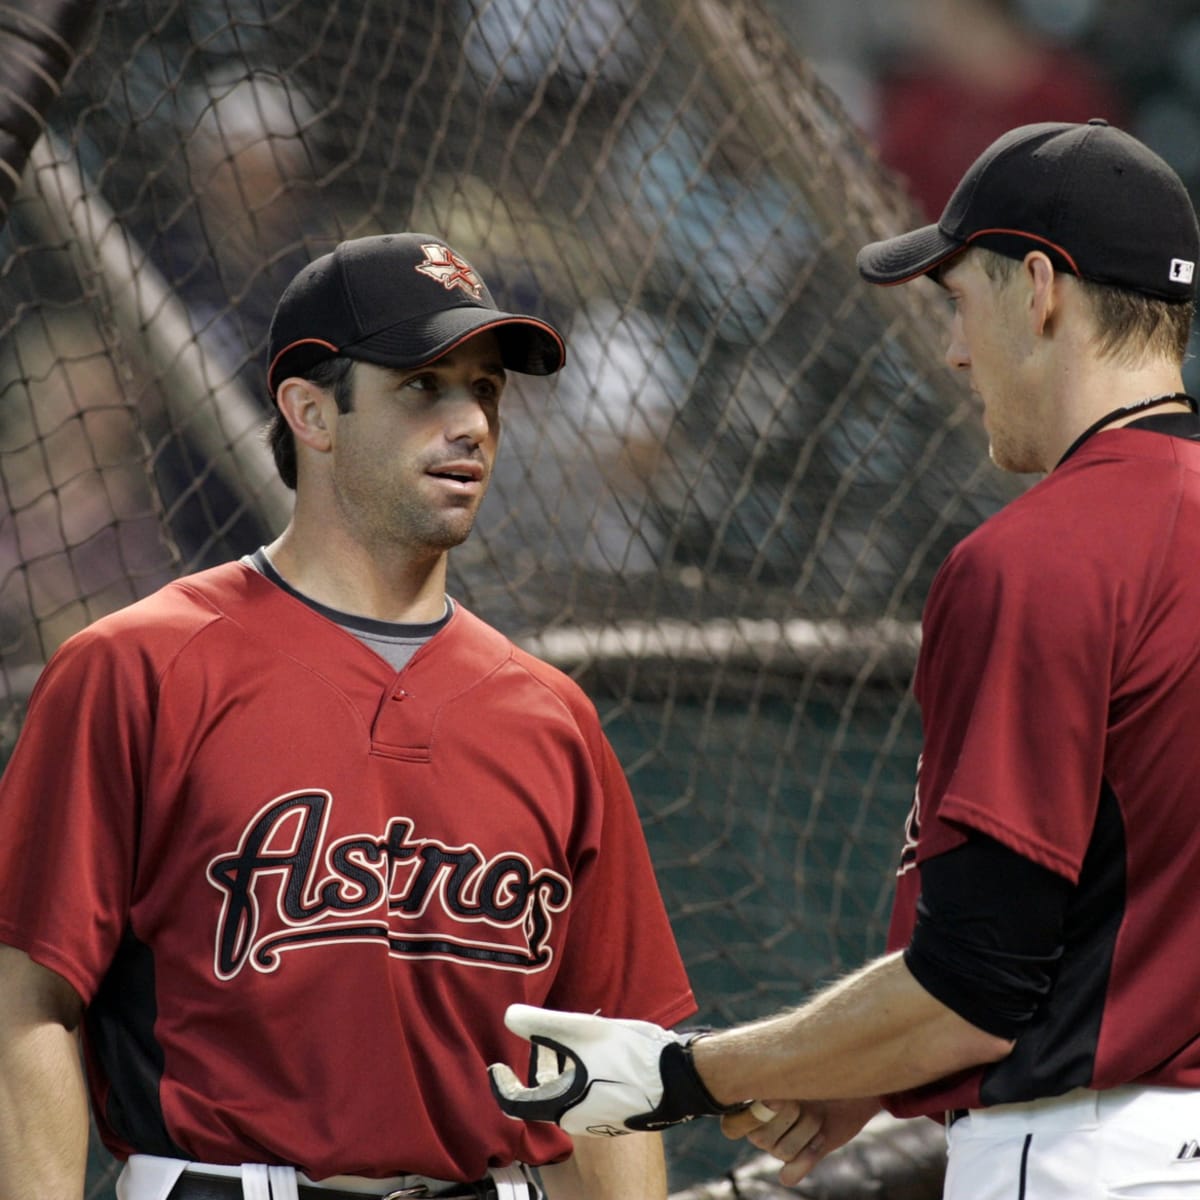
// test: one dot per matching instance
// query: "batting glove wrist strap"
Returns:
(608, 1076)
(684, 1095)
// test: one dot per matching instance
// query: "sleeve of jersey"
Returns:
(68, 805)
(1013, 687)
(988, 935)
(620, 958)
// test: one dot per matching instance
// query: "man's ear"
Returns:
(307, 409)
(1043, 290)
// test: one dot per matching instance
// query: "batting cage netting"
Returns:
(722, 517)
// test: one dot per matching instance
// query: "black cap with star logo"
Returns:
(397, 300)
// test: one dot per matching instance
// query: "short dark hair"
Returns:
(333, 375)
(1128, 324)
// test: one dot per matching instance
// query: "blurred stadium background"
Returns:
(722, 518)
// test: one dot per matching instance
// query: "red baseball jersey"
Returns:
(297, 890)
(1059, 686)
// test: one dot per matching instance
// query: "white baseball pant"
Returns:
(1128, 1143)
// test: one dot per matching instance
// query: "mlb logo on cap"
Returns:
(1182, 270)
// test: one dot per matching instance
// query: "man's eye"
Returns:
(421, 383)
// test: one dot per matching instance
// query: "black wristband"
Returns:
(684, 1093)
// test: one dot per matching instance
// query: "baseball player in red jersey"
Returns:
(1040, 990)
(286, 838)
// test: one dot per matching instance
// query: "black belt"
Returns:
(227, 1187)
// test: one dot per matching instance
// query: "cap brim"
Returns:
(907, 256)
(527, 345)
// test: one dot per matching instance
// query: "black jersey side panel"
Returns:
(1058, 1050)
(120, 1035)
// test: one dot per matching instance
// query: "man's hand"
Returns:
(800, 1134)
(619, 1076)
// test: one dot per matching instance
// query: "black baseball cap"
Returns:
(397, 300)
(1102, 205)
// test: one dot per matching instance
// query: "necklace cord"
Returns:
(1127, 410)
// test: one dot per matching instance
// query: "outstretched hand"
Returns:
(616, 1076)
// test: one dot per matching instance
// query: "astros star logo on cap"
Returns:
(442, 264)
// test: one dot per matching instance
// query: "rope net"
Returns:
(722, 517)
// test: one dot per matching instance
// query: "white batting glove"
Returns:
(620, 1076)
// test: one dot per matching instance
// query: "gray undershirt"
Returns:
(394, 641)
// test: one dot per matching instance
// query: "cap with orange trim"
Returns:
(397, 300)
(1101, 204)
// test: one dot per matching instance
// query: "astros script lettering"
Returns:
(287, 888)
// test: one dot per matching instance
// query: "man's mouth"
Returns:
(461, 474)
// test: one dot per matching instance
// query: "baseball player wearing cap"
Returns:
(286, 838)
(1040, 989)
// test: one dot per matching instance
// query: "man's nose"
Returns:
(956, 350)
(467, 419)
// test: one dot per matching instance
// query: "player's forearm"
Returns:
(875, 1032)
(43, 1102)
(43, 1116)
(610, 1169)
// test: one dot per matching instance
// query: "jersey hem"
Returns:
(46, 956)
(683, 1008)
(963, 812)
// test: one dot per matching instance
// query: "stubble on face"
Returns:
(389, 475)
(385, 500)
